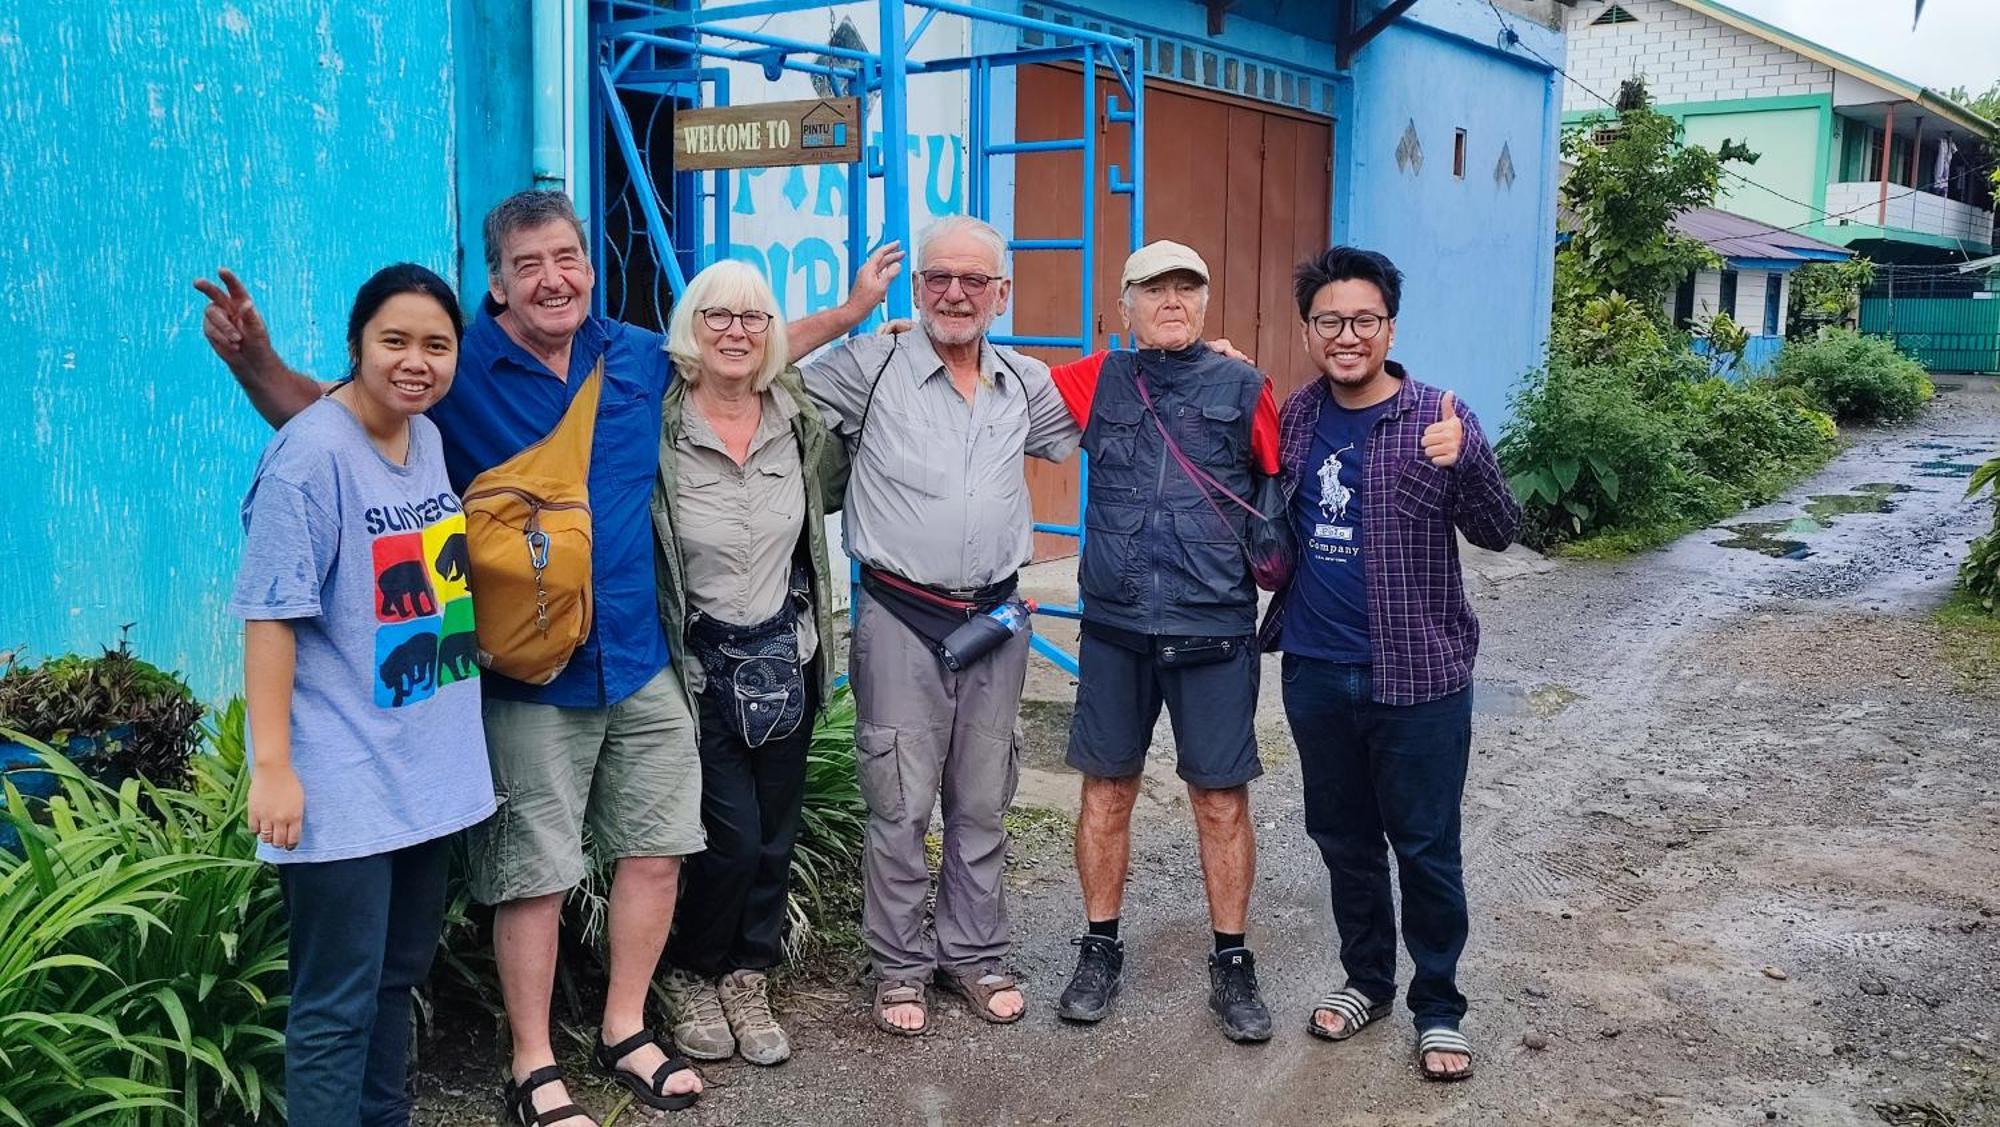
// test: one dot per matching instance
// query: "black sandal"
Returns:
(520, 1101)
(652, 1093)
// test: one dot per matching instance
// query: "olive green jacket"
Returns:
(824, 458)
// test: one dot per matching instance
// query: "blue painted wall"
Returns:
(1475, 251)
(143, 144)
(493, 147)
(307, 145)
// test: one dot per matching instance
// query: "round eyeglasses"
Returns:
(1366, 326)
(718, 320)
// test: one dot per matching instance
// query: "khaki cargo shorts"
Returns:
(631, 772)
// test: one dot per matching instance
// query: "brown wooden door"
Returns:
(1245, 185)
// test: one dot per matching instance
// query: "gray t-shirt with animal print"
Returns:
(367, 561)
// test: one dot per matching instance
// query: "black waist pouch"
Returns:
(929, 614)
(755, 677)
(1174, 651)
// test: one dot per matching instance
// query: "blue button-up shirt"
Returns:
(503, 401)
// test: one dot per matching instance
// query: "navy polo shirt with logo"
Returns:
(504, 400)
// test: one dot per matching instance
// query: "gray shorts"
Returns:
(1120, 688)
(631, 772)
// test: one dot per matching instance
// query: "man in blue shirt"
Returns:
(1327, 614)
(610, 742)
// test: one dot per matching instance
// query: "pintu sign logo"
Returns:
(823, 128)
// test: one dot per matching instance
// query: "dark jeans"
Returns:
(1381, 775)
(362, 935)
(732, 907)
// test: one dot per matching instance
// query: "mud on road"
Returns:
(1731, 835)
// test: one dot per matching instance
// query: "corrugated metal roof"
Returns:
(1737, 236)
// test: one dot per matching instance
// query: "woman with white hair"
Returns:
(748, 472)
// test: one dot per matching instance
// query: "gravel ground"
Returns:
(1730, 845)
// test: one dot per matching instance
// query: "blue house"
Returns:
(1753, 284)
(308, 143)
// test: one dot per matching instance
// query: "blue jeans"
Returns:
(362, 935)
(1380, 778)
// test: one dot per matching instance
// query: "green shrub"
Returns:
(142, 970)
(1979, 575)
(1859, 379)
(1645, 446)
(146, 718)
(1604, 330)
(1753, 436)
(826, 862)
(1825, 294)
(1584, 451)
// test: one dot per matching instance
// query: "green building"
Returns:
(1849, 154)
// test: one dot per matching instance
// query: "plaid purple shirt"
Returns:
(1421, 629)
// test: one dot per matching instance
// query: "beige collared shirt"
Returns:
(739, 524)
(937, 492)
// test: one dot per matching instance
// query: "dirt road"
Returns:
(1731, 841)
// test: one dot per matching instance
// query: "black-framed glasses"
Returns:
(1366, 326)
(718, 320)
(939, 281)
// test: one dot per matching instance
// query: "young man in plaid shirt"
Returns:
(1381, 473)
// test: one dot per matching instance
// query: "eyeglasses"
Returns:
(1366, 326)
(718, 320)
(939, 281)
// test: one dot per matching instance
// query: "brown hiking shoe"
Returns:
(746, 1002)
(699, 1027)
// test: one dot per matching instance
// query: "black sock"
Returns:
(1105, 928)
(1227, 941)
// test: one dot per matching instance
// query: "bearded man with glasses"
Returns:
(1381, 473)
(936, 423)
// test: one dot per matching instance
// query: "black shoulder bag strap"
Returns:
(867, 407)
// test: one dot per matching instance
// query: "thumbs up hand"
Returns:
(1445, 438)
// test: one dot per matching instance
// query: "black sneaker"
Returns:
(1100, 967)
(1233, 997)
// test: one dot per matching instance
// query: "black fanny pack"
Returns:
(1172, 651)
(930, 613)
(755, 676)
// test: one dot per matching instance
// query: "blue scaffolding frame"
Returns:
(660, 47)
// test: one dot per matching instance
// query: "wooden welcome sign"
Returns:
(768, 134)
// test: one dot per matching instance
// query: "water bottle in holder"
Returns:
(983, 634)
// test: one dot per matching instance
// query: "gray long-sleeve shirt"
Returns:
(937, 492)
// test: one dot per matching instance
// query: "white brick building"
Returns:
(1848, 153)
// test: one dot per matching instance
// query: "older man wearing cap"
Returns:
(1168, 614)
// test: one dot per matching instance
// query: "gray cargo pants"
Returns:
(923, 732)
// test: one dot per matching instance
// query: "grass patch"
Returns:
(1031, 825)
(1618, 543)
(1971, 638)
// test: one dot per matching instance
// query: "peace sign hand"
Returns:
(1444, 439)
(233, 326)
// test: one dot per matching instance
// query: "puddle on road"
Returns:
(1494, 698)
(1873, 497)
(1768, 537)
(1942, 468)
(1784, 539)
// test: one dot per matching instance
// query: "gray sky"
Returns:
(1957, 44)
